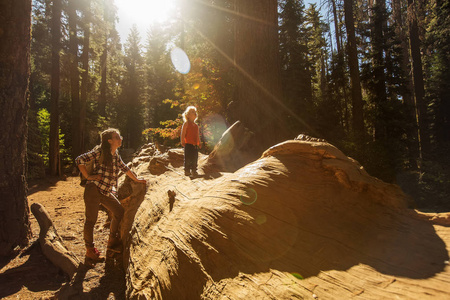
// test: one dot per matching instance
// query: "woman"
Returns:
(101, 188)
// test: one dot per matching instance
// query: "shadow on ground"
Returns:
(36, 274)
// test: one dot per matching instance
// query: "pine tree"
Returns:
(160, 81)
(438, 83)
(295, 68)
(86, 27)
(352, 52)
(54, 154)
(72, 11)
(407, 92)
(132, 92)
(418, 78)
(318, 54)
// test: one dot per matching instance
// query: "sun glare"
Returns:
(143, 13)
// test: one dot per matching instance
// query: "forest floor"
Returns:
(30, 275)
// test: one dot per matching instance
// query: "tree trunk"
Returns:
(15, 26)
(258, 88)
(378, 63)
(85, 73)
(54, 157)
(74, 78)
(357, 103)
(337, 29)
(418, 82)
(102, 98)
(103, 62)
(408, 100)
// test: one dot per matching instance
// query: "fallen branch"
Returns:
(52, 244)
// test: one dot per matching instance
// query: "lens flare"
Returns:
(261, 219)
(249, 196)
(180, 60)
(215, 126)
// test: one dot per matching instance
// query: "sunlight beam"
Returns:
(262, 88)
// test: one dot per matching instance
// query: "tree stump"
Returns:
(52, 244)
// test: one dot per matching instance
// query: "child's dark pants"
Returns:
(190, 157)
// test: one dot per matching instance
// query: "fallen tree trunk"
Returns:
(52, 244)
(302, 221)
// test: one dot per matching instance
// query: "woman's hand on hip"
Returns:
(141, 180)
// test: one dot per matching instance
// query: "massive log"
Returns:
(52, 244)
(301, 221)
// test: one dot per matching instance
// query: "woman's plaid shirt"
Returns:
(108, 183)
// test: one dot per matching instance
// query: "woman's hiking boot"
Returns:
(114, 245)
(114, 241)
(93, 256)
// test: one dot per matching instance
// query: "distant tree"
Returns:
(132, 93)
(295, 68)
(160, 80)
(438, 39)
(383, 83)
(352, 53)
(378, 64)
(337, 27)
(86, 27)
(338, 73)
(39, 85)
(407, 92)
(107, 28)
(15, 72)
(54, 155)
(318, 54)
(418, 78)
(329, 80)
(72, 11)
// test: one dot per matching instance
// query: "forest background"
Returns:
(369, 76)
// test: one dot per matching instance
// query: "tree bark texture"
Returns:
(302, 207)
(15, 25)
(54, 157)
(352, 52)
(258, 89)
